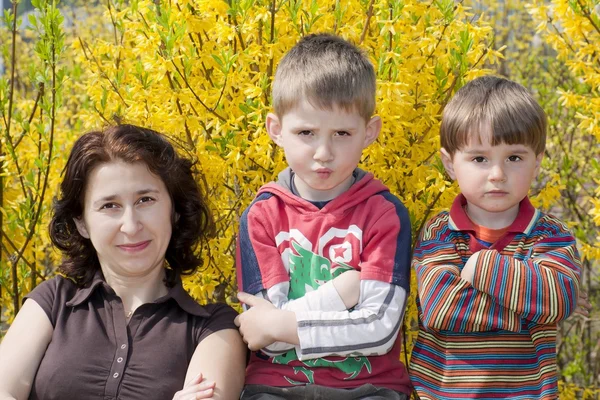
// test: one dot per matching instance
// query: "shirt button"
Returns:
(120, 359)
(123, 346)
(116, 375)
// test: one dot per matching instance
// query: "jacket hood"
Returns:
(365, 186)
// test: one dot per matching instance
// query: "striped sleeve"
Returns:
(448, 302)
(543, 287)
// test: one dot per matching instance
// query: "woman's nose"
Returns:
(130, 223)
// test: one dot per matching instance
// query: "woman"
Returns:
(118, 324)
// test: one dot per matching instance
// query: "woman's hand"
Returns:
(197, 388)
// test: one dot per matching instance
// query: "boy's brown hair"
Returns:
(494, 106)
(328, 72)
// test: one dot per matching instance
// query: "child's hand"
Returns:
(197, 388)
(348, 287)
(468, 271)
(583, 304)
(263, 324)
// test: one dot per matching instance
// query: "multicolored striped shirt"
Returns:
(494, 338)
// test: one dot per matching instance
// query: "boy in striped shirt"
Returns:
(495, 275)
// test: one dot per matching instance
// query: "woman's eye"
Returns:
(514, 158)
(108, 206)
(146, 199)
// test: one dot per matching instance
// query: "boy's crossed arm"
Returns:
(371, 328)
(542, 288)
(339, 294)
(495, 291)
(445, 297)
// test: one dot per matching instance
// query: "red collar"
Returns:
(524, 223)
(460, 221)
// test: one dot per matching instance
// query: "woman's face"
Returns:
(127, 216)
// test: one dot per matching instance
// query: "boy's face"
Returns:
(322, 147)
(493, 179)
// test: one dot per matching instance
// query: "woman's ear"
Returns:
(448, 163)
(81, 228)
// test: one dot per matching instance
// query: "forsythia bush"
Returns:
(36, 129)
(572, 29)
(201, 72)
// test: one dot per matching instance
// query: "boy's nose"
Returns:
(323, 152)
(497, 174)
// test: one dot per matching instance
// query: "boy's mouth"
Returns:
(324, 173)
(497, 193)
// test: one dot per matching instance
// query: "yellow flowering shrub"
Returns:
(572, 30)
(201, 72)
(35, 127)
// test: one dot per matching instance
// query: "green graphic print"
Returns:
(310, 270)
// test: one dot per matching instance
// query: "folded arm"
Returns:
(219, 362)
(315, 326)
(449, 302)
(370, 328)
(339, 294)
(542, 288)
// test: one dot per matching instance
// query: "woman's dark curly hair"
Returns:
(130, 144)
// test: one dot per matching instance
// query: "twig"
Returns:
(46, 177)
(367, 22)
(102, 73)
(210, 110)
(37, 100)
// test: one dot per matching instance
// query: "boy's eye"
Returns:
(342, 133)
(479, 159)
(514, 158)
(304, 133)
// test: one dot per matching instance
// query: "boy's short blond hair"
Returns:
(328, 72)
(494, 106)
